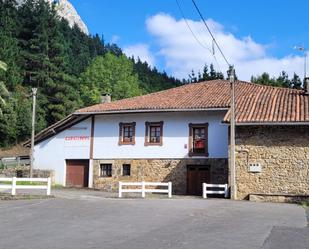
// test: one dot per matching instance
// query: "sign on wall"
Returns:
(77, 137)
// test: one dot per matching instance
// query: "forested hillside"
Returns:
(69, 68)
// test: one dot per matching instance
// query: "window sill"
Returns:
(153, 144)
(198, 154)
(126, 143)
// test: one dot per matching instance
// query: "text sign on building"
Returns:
(76, 138)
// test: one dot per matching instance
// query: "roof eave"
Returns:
(267, 123)
(152, 110)
(53, 129)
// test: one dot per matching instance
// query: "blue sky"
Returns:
(256, 35)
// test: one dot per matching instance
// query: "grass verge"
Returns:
(23, 183)
(9, 197)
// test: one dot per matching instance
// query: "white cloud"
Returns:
(181, 52)
(142, 51)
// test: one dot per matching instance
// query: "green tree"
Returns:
(295, 82)
(3, 96)
(8, 124)
(3, 65)
(192, 77)
(109, 74)
(3, 90)
(264, 79)
(45, 62)
(150, 79)
(282, 80)
(22, 109)
(9, 50)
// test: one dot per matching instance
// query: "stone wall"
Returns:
(155, 170)
(24, 172)
(282, 151)
(279, 198)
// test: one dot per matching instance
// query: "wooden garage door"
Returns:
(77, 173)
(196, 175)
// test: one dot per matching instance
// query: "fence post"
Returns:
(143, 189)
(48, 185)
(119, 190)
(14, 186)
(169, 189)
(204, 190)
(225, 191)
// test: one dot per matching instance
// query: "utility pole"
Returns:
(231, 74)
(34, 92)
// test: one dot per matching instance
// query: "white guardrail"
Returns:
(15, 180)
(143, 188)
(220, 186)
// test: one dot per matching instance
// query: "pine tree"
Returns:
(45, 63)
(22, 109)
(205, 73)
(295, 82)
(192, 77)
(8, 124)
(283, 80)
(9, 50)
(212, 73)
(3, 90)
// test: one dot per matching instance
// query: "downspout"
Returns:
(90, 178)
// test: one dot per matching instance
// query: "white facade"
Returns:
(51, 153)
(74, 143)
(175, 135)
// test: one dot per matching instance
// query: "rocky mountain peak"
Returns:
(66, 10)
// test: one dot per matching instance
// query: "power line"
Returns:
(212, 51)
(214, 39)
(195, 37)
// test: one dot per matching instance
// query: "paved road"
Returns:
(97, 222)
(288, 238)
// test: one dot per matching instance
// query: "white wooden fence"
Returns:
(143, 188)
(14, 184)
(220, 186)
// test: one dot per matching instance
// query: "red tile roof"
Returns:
(191, 96)
(254, 103)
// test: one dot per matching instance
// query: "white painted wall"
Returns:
(52, 153)
(175, 135)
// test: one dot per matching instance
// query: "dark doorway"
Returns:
(77, 173)
(196, 176)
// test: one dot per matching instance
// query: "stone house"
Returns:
(182, 135)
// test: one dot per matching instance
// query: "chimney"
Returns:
(106, 98)
(306, 86)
